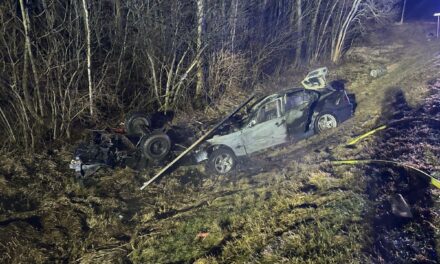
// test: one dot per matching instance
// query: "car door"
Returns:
(298, 110)
(266, 129)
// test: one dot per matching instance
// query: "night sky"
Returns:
(422, 9)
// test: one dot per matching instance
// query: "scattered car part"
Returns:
(85, 170)
(201, 236)
(195, 144)
(156, 146)
(379, 72)
(105, 149)
(315, 79)
(399, 206)
(433, 181)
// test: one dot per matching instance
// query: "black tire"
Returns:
(222, 161)
(325, 121)
(156, 146)
(137, 123)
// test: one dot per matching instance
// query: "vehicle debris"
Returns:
(399, 206)
(201, 236)
(379, 72)
(141, 142)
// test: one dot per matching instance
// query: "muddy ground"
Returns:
(287, 205)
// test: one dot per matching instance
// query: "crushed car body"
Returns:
(278, 118)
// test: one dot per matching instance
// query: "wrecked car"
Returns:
(144, 140)
(279, 118)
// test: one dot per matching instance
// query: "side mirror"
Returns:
(252, 123)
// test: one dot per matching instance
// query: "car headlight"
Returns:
(201, 155)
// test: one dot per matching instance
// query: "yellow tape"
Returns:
(433, 181)
(345, 162)
(392, 123)
(359, 138)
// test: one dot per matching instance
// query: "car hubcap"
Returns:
(139, 124)
(157, 148)
(326, 122)
(223, 163)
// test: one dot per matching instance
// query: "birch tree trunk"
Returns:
(200, 85)
(403, 12)
(344, 30)
(89, 55)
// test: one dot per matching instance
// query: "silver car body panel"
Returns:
(257, 135)
(264, 135)
(233, 141)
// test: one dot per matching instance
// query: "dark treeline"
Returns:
(66, 61)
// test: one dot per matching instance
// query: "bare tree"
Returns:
(89, 54)
(299, 23)
(200, 85)
(403, 12)
(234, 4)
(353, 15)
(28, 56)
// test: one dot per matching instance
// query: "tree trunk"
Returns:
(89, 55)
(118, 16)
(312, 35)
(200, 86)
(28, 58)
(234, 23)
(299, 21)
(344, 30)
(403, 12)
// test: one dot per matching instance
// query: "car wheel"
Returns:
(222, 161)
(325, 121)
(136, 123)
(156, 146)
